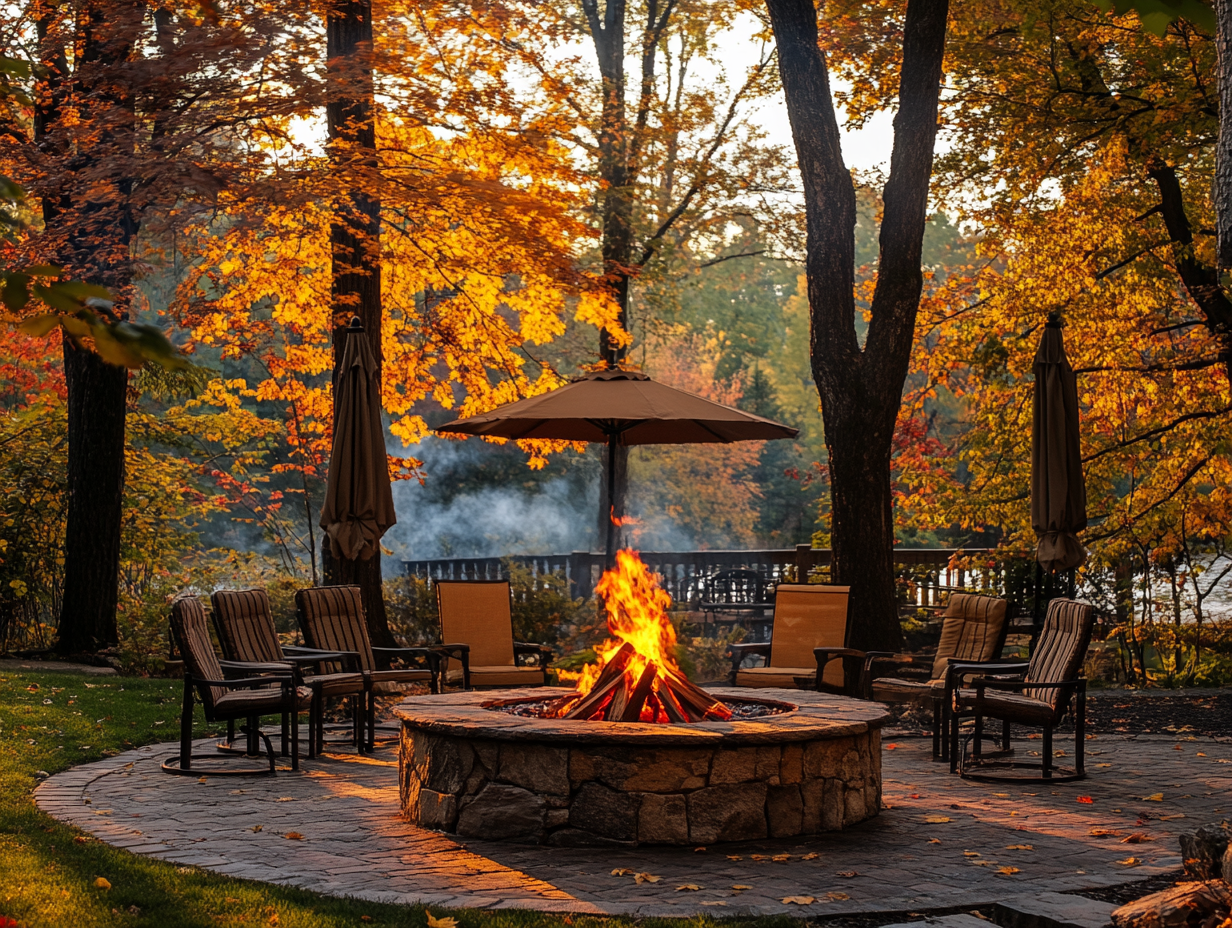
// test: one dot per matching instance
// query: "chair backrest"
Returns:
(245, 625)
(973, 629)
(192, 632)
(807, 616)
(734, 587)
(477, 613)
(1060, 648)
(332, 619)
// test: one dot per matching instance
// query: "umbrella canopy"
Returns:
(625, 404)
(1058, 491)
(620, 408)
(359, 504)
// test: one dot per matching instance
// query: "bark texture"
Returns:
(861, 387)
(1223, 157)
(355, 238)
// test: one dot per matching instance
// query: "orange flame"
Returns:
(636, 609)
(622, 521)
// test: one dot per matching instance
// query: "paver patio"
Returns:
(941, 842)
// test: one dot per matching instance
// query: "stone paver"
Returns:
(1052, 910)
(940, 842)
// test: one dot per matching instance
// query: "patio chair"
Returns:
(973, 629)
(478, 614)
(226, 700)
(1039, 697)
(332, 617)
(807, 643)
(245, 627)
(729, 595)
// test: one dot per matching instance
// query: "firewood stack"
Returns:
(618, 697)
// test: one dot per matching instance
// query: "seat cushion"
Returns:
(337, 684)
(392, 682)
(1008, 706)
(258, 702)
(498, 675)
(782, 677)
(890, 689)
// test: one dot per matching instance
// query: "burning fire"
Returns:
(636, 676)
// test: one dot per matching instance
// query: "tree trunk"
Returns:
(1223, 156)
(355, 239)
(99, 226)
(861, 388)
(608, 508)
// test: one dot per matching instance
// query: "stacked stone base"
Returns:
(593, 794)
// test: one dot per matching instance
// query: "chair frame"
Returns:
(462, 651)
(295, 658)
(940, 705)
(365, 735)
(851, 682)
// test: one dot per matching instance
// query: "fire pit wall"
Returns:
(485, 774)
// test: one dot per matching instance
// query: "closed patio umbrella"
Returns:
(620, 408)
(1058, 490)
(359, 504)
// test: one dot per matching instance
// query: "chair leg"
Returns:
(1047, 765)
(1005, 735)
(186, 722)
(254, 735)
(955, 717)
(294, 736)
(371, 720)
(321, 726)
(938, 750)
(979, 734)
(230, 731)
(286, 732)
(1080, 732)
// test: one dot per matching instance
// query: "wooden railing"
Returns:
(924, 573)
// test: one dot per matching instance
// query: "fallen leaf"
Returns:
(622, 871)
(798, 900)
(757, 857)
(810, 856)
(1154, 797)
(1138, 837)
(1200, 754)
(1130, 861)
(1104, 833)
(101, 883)
(779, 858)
(1008, 871)
(740, 887)
(934, 840)
(202, 779)
(32, 688)
(293, 836)
(285, 799)
(1019, 847)
(446, 922)
(1177, 747)
(699, 850)
(971, 853)
(688, 887)
(256, 828)
(238, 792)
(1086, 799)
(1168, 818)
(837, 897)
(936, 819)
(890, 747)
(847, 874)
(734, 857)
(713, 902)
(646, 878)
(231, 900)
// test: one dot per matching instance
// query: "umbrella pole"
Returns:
(610, 560)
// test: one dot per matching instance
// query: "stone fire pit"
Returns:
(468, 768)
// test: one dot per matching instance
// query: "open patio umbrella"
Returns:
(620, 408)
(359, 504)
(1058, 491)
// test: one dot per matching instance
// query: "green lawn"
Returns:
(48, 871)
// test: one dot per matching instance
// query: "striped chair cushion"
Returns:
(191, 631)
(332, 618)
(245, 625)
(971, 630)
(1061, 648)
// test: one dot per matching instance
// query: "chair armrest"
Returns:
(830, 653)
(273, 667)
(428, 655)
(993, 683)
(823, 656)
(738, 652)
(458, 649)
(997, 666)
(244, 683)
(543, 652)
(349, 659)
(462, 652)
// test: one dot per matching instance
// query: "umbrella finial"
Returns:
(1054, 320)
(355, 327)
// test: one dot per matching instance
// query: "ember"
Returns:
(636, 678)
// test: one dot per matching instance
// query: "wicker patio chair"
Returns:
(1039, 697)
(973, 629)
(478, 614)
(245, 627)
(332, 617)
(245, 698)
(807, 643)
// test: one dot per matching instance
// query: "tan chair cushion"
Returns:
(807, 616)
(782, 677)
(890, 689)
(971, 630)
(499, 675)
(478, 613)
(332, 619)
(1012, 707)
(245, 625)
(259, 702)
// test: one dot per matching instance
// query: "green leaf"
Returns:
(55, 297)
(14, 66)
(16, 291)
(43, 270)
(11, 190)
(111, 350)
(83, 292)
(38, 326)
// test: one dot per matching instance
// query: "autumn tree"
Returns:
(861, 385)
